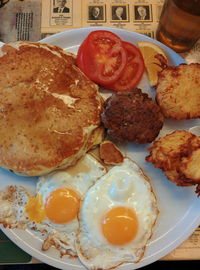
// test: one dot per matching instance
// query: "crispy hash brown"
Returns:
(178, 91)
(190, 165)
(178, 155)
(167, 151)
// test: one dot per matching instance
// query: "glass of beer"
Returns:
(179, 26)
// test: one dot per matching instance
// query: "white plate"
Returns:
(179, 206)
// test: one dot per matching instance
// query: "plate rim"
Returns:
(40, 255)
(114, 29)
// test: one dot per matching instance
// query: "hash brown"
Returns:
(178, 91)
(48, 111)
(190, 165)
(167, 151)
(178, 155)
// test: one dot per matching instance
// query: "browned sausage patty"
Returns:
(132, 116)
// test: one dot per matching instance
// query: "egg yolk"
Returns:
(120, 225)
(62, 205)
(34, 209)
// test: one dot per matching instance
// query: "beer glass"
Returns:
(179, 26)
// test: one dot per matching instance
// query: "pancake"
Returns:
(49, 110)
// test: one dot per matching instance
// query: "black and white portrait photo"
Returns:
(60, 7)
(61, 13)
(96, 13)
(119, 13)
(142, 13)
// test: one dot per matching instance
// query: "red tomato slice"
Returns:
(133, 71)
(79, 59)
(102, 57)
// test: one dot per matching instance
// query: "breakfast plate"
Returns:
(179, 206)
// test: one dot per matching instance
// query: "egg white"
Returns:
(78, 178)
(124, 185)
(62, 236)
(12, 201)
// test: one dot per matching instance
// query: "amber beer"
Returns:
(179, 26)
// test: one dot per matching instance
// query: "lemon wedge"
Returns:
(155, 60)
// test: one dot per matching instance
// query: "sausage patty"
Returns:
(132, 116)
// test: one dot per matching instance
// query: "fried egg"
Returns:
(116, 218)
(53, 211)
(12, 201)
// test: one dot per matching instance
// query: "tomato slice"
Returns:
(133, 71)
(79, 58)
(102, 57)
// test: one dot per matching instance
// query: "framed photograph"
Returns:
(142, 13)
(61, 13)
(120, 12)
(61, 6)
(96, 13)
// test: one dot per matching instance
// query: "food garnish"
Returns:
(109, 61)
(155, 60)
(102, 57)
(133, 70)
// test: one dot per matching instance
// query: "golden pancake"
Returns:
(48, 109)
